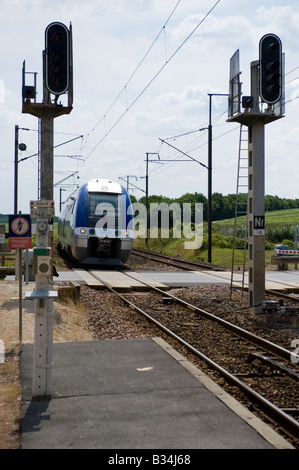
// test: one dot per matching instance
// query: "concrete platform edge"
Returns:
(256, 423)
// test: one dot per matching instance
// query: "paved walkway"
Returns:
(134, 394)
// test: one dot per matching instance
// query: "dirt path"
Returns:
(69, 325)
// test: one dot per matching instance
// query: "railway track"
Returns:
(197, 265)
(177, 262)
(232, 352)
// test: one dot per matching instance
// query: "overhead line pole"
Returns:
(57, 80)
(210, 169)
(146, 194)
(267, 87)
(16, 170)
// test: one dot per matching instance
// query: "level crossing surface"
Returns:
(129, 280)
(134, 394)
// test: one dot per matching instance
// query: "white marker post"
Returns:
(44, 294)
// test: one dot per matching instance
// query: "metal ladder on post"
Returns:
(38, 160)
(240, 227)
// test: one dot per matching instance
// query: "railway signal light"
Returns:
(57, 38)
(270, 68)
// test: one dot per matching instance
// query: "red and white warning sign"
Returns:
(19, 226)
(19, 231)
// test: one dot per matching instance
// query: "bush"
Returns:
(289, 243)
(275, 233)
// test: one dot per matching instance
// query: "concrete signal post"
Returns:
(57, 80)
(267, 90)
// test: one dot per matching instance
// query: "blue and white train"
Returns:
(96, 224)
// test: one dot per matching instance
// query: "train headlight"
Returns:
(126, 233)
(82, 230)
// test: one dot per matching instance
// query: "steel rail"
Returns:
(289, 424)
(174, 261)
(257, 340)
(193, 265)
(282, 295)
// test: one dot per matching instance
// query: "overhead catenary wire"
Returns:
(167, 61)
(192, 158)
(129, 105)
(55, 146)
(137, 68)
(190, 146)
(156, 171)
(150, 81)
(192, 149)
(187, 148)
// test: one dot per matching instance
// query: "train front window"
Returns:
(103, 210)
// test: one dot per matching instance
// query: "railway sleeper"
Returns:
(291, 411)
(273, 365)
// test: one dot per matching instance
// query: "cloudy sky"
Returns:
(142, 73)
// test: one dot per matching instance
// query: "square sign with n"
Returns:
(259, 225)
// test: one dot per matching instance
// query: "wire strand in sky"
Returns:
(138, 66)
(153, 78)
(193, 145)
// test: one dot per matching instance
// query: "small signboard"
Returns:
(259, 225)
(42, 209)
(234, 85)
(20, 231)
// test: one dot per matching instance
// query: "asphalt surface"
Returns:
(138, 394)
(277, 280)
(133, 394)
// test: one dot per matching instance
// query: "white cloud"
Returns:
(215, 33)
(110, 39)
(294, 90)
(191, 96)
(282, 20)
